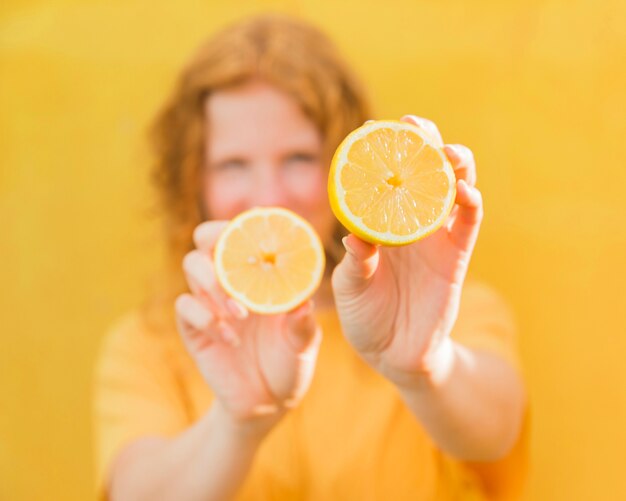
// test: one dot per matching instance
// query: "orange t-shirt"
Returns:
(351, 437)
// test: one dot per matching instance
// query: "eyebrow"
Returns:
(226, 159)
(300, 151)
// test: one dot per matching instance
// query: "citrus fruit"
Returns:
(390, 183)
(269, 259)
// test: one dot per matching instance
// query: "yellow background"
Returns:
(535, 88)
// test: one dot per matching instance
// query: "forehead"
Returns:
(256, 117)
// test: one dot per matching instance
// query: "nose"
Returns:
(270, 189)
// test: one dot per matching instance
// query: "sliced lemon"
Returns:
(390, 183)
(270, 259)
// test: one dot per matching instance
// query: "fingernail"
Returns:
(423, 123)
(451, 148)
(237, 310)
(308, 307)
(349, 249)
(430, 128)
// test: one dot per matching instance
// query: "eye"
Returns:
(300, 159)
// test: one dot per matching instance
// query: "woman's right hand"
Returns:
(257, 365)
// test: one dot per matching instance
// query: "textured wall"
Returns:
(535, 88)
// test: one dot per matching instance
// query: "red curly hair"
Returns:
(283, 51)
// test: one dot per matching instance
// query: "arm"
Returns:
(258, 368)
(208, 461)
(472, 405)
(471, 402)
(398, 307)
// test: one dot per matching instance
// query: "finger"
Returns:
(206, 234)
(466, 223)
(193, 322)
(463, 163)
(192, 313)
(200, 275)
(357, 266)
(198, 326)
(302, 332)
(427, 126)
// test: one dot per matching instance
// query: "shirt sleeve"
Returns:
(486, 322)
(136, 393)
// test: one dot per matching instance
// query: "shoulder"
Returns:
(127, 336)
(134, 331)
(487, 321)
(132, 343)
(137, 373)
(481, 301)
(128, 330)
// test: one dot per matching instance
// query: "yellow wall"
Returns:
(536, 88)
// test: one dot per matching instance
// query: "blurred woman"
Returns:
(415, 391)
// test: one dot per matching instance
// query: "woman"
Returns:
(415, 392)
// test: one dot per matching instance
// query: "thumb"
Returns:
(357, 266)
(302, 331)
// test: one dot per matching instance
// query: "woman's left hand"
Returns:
(397, 305)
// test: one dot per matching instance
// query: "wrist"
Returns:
(246, 432)
(434, 370)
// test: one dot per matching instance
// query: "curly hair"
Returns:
(283, 51)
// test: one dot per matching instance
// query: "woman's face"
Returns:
(261, 150)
